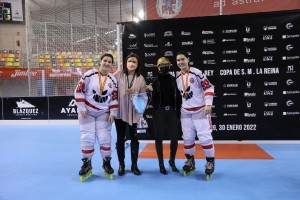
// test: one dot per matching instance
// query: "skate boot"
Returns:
(173, 166)
(86, 169)
(209, 167)
(189, 166)
(162, 168)
(108, 170)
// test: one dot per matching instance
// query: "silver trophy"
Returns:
(140, 102)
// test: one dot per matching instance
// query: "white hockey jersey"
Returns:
(88, 96)
(195, 88)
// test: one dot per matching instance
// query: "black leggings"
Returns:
(166, 122)
(121, 127)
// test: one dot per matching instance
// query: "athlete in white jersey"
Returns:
(197, 98)
(96, 97)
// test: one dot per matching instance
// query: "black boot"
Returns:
(134, 157)
(173, 166)
(162, 168)
(106, 166)
(121, 156)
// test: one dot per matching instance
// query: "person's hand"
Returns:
(149, 87)
(207, 109)
(84, 113)
(131, 91)
(111, 118)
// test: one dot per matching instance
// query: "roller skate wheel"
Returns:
(185, 173)
(86, 176)
(208, 177)
(110, 176)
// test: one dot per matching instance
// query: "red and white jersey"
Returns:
(88, 96)
(195, 88)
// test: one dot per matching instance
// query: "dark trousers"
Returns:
(166, 122)
(121, 128)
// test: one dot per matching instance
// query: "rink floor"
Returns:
(41, 162)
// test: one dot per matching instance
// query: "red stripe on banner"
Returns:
(193, 109)
(189, 146)
(105, 148)
(113, 106)
(208, 146)
(87, 151)
(209, 94)
(91, 105)
(80, 100)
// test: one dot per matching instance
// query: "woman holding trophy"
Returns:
(166, 101)
(130, 82)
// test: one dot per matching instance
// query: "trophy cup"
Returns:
(140, 102)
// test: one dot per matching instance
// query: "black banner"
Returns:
(25, 108)
(62, 107)
(251, 59)
(1, 113)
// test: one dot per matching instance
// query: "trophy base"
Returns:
(141, 131)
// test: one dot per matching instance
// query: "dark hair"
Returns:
(138, 69)
(107, 55)
(182, 53)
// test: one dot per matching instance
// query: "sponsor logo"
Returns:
(229, 52)
(71, 109)
(249, 39)
(290, 57)
(150, 54)
(248, 94)
(208, 52)
(230, 31)
(248, 84)
(20, 73)
(230, 105)
(290, 69)
(268, 92)
(249, 114)
(266, 83)
(229, 114)
(290, 113)
(169, 53)
(289, 26)
(289, 47)
(186, 43)
(267, 49)
(247, 29)
(289, 103)
(272, 104)
(149, 74)
(267, 58)
(209, 62)
(252, 60)
(289, 82)
(24, 108)
(133, 46)
(168, 34)
(228, 61)
(208, 41)
(168, 44)
(230, 85)
(248, 105)
(291, 92)
(248, 50)
(149, 65)
(207, 32)
(150, 45)
(229, 94)
(149, 35)
(267, 37)
(229, 40)
(185, 33)
(290, 36)
(168, 9)
(269, 28)
(268, 113)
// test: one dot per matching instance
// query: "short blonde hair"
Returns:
(163, 60)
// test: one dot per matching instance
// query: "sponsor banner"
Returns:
(36, 73)
(62, 107)
(252, 65)
(25, 108)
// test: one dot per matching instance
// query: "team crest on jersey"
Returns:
(109, 85)
(192, 80)
(168, 8)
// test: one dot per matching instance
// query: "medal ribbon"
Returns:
(100, 82)
(187, 81)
